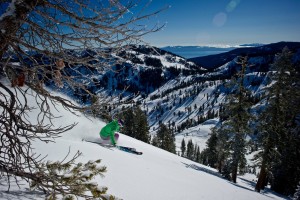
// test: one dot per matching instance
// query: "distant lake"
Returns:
(192, 52)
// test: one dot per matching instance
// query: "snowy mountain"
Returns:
(156, 174)
(137, 66)
(214, 61)
(174, 91)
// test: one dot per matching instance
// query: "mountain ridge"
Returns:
(213, 61)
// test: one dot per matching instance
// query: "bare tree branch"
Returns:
(48, 43)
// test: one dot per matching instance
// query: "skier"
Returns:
(109, 134)
(109, 131)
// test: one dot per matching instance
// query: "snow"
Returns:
(198, 134)
(157, 174)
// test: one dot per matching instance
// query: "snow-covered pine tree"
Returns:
(69, 180)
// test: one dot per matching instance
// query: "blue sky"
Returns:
(225, 22)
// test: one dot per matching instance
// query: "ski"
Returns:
(129, 150)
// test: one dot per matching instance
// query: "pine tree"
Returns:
(129, 120)
(183, 148)
(277, 123)
(197, 154)
(237, 110)
(165, 139)
(286, 173)
(218, 147)
(222, 148)
(190, 150)
(141, 126)
(211, 144)
(203, 156)
(136, 124)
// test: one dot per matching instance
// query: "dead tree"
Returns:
(39, 39)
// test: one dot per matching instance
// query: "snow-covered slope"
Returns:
(139, 69)
(156, 174)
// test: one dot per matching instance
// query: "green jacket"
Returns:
(109, 131)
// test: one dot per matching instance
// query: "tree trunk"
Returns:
(234, 173)
(220, 166)
(261, 182)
